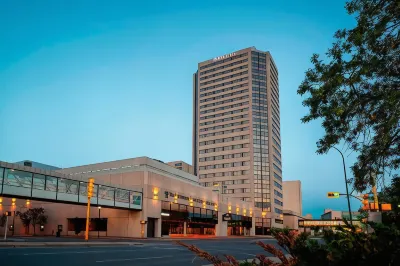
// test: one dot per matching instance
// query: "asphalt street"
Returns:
(150, 253)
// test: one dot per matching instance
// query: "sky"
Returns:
(91, 81)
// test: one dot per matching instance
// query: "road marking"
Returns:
(147, 258)
(170, 248)
(72, 252)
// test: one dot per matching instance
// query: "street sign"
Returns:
(333, 195)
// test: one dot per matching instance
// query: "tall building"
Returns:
(292, 196)
(181, 165)
(236, 134)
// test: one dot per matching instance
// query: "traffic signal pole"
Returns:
(347, 187)
(90, 187)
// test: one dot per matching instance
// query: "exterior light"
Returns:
(165, 214)
(155, 193)
(190, 202)
(99, 207)
(263, 214)
(229, 209)
(216, 207)
(251, 213)
(28, 202)
(204, 205)
(176, 198)
(1, 201)
(237, 210)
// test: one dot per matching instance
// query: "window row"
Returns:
(224, 96)
(226, 101)
(259, 168)
(260, 102)
(259, 108)
(259, 141)
(259, 89)
(225, 78)
(260, 120)
(224, 107)
(259, 77)
(276, 135)
(277, 193)
(259, 83)
(224, 66)
(278, 211)
(278, 202)
(276, 143)
(225, 126)
(225, 148)
(236, 182)
(262, 114)
(224, 84)
(261, 72)
(236, 190)
(254, 53)
(258, 126)
(223, 157)
(223, 90)
(224, 60)
(275, 124)
(209, 142)
(223, 72)
(225, 113)
(277, 185)
(277, 168)
(259, 60)
(260, 159)
(221, 174)
(259, 95)
(229, 131)
(277, 176)
(258, 65)
(224, 120)
(224, 165)
(277, 160)
(276, 151)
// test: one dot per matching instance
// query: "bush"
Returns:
(347, 246)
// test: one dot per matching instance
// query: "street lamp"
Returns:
(98, 225)
(347, 188)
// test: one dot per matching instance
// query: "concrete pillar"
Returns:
(221, 227)
(158, 228)
(253, 226)
(184, 228)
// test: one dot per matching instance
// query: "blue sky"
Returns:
(90, 81)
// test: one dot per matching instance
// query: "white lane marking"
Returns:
(73, 252)
(169, 248)
(146, 258)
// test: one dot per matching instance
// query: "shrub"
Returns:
(347, 246)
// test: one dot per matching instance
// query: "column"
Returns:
(184, 228)
(222, 226)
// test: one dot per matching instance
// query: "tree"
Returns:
(25, 219)
(391, 194)
(34, 216)
(356, 92)
(3, 219)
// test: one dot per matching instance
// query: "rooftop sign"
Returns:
(224, 56)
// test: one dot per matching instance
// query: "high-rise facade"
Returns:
(236, 134)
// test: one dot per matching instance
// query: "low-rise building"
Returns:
(138, 197)
(181, 165)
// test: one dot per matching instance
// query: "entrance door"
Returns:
(151, 226)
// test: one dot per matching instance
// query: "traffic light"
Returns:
(334, 195)
(365, 202)
(90, 187)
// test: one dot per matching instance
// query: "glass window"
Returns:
(65, 185)
(17, 178)
(51, 183)
(39, 181)
(1, 175)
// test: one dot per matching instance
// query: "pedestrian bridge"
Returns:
(31, 183)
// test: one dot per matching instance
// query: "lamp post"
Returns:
(98, 229)
(347, 188)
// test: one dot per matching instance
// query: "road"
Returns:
(150, 253)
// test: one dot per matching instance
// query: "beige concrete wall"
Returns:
(121, 223)
(292, 197)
